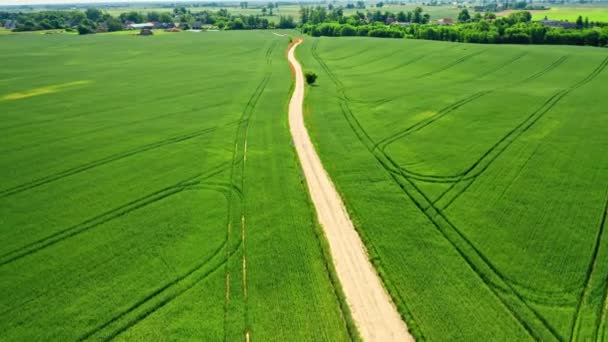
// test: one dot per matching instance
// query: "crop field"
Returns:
(593, 12)
(146, 195)
(477, 176)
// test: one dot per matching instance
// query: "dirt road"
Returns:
(373, 311)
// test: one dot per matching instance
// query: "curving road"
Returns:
(374, 313)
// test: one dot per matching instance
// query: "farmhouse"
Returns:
(557, 23)
(445, 21)
(140, 26)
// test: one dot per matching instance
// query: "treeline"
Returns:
(515, 5)
(317, 15)
(517, 28)
(94, 20)
(68, 20)
(344, 30)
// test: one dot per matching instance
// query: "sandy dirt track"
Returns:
(373, 311)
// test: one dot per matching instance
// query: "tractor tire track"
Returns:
(483, 268)
(505, 64)
(585, 293)
(101, 129)
(523, 127)
(451, 179)
(93, 164)
(510, 136)
(423, 123)
(373, 310)
(405, 63)
(552, 66)
(185, 277)
(237, 182)
(451, 65)
(156, 293)
(496, 288)
(108, 216)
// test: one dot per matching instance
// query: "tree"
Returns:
(401, 16)
(93, 14)
(417, 15)
(270, 5)
(490, 15)
(360, 5)
(379, 4)
(579, 22)
(114, 24)
(263, 10)
(270, 12)
(153, 16)
(286, 22)
(464, 16)
(86, 26)
(310, 76)
(133, 16)
(180, 10)
(165, 18)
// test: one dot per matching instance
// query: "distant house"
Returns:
(140, 26)
(557, 23)
(445, 21)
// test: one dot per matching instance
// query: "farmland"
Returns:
(146, 195)
(594, 13)
(477, 175)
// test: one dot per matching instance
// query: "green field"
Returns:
(150, 191)
(594, 13)
(477, 176)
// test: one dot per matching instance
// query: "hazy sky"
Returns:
(30, 2)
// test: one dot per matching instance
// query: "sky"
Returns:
(32, 2)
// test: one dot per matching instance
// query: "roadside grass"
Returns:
(150, 191)
(476, 175)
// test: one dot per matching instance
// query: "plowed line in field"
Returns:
(478, 266)
(552, 66)
(108, 216)
(459, 239)
(159, 292)
(373, 311)
(423, 123)
(588, 279)
(461, 176)
(502, 66)
(100, 129)
(90, 165)
(521, 128)
(452, 64)
(237, 181)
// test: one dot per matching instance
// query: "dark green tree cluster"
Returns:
(378, 30)
(517, 28)
(94, 20)
(44, 20)
(317, 15)
(224, 20)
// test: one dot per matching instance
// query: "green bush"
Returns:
(310, 76)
